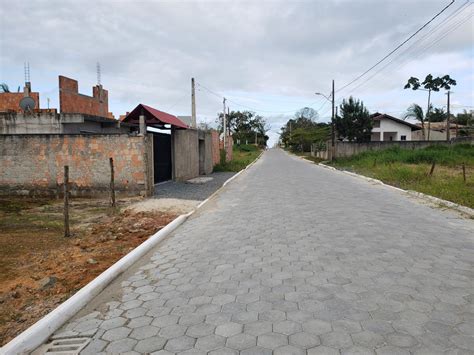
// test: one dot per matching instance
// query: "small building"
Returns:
(389, 128)
(78, 113)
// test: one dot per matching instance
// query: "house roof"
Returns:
(380, 116)
(153, 117)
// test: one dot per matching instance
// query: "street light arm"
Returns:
(326, 97)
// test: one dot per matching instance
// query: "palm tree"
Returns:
(4, 88)
(415, 111)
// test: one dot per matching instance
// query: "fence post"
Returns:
(464, 172)
(112, 182)
(67, 232)
(432, 168)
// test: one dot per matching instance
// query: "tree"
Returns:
(438, 115)
(430, 84)
(4, 88)
(245, 126)
(354, 123)
(415, 111)
(300, 132)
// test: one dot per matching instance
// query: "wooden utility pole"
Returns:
(112, 182)
(333, 133)
(193, 104)
(67, 232)
(447, 119)
(224, 123)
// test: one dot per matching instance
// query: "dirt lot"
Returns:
(39, 268)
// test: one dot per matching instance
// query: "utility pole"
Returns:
(333, 133)
(256, 138)
(193, 104)
(447, 119)
(224, 126)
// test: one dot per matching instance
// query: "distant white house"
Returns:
(389, 128)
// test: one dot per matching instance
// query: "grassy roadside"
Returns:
(410, 170)
(242, 156)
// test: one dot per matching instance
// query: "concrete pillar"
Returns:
(381, 136)
(142, 131)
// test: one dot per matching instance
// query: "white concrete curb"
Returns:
(463, 209)
(39, 333)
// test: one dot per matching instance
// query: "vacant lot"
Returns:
(243, 155)
(39, 268)
(410, 170)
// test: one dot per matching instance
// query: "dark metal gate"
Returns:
(161, 157)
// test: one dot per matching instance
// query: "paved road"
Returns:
(292, 258)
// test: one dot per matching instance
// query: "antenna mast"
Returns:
(98, 74)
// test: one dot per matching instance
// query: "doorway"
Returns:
(161, 157)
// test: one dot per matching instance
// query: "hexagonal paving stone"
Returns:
(210, 342)
(316, 326)
(289, 350)
(144, 332)
(165, 320)
(116, 334)
(304, 340)
(272, 340)
(180, 343)
(368, 339)
(120, 346)
(256, 350)
(287, 327)
(200, 330)
(139, 322)
(224, 351)
(258, 328)
(323, 350)
(223, 299)
(218, 318)
(149, 345)
(229, 329)
(357, 350)
(172, 331)
(113, 323)
(336, 340)
(241, 341)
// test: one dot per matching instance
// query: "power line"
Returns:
(423, 48)
(396, 48)
(220, 96)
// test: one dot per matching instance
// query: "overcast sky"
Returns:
(270, 56)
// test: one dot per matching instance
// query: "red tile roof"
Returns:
(153, 117)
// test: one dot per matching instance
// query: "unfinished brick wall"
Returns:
(217, 145)
(216, 156)
(71, 101)
(34, 164)
(10, 101)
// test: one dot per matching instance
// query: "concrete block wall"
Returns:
(185, 154)
(34, 164)
(347, 149)
(208, 159)
(71, 101)
(10, 101)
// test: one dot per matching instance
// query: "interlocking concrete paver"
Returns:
(294, 257)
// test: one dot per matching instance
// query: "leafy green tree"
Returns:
(465, 118)
(354, 123)
(438, 115)
(244, 124)
(430, 84)
(416, 112)
(300, 132)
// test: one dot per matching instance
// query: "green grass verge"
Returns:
(409, 170)
(242, 156)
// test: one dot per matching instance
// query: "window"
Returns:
(403, 138)
(376, 124)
